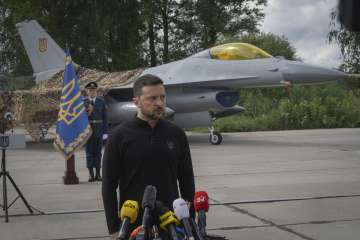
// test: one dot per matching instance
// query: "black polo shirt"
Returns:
(137, 155)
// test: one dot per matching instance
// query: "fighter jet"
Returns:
(200, 88)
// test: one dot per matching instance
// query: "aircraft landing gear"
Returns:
(215, 138)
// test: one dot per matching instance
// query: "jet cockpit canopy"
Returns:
(237, 51)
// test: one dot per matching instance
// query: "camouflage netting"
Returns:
(6, 105)
(38, 107)
(37, 111)
(105, 80)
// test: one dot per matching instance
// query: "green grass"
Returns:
(303, 107)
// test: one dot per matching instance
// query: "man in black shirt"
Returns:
(147, 150)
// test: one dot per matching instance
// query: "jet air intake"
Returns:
(227, 99)
(203, 101)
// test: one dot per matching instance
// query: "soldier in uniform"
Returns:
(96, 110)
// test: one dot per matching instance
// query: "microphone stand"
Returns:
(4, 143)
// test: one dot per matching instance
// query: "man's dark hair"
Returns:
(145, 80)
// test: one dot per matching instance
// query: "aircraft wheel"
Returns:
(215, 138)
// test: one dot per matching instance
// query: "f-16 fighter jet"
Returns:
(200, 88)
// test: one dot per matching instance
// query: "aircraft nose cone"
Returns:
(298, 72)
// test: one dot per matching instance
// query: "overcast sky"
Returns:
(305, 23)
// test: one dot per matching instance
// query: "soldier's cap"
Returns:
(91, 85)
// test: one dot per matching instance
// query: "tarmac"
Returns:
(263, 185)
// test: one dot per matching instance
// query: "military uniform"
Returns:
(96, 109)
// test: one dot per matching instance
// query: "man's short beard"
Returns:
(152, 115)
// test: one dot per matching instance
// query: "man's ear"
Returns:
(136, 101)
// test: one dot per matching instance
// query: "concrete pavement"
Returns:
(263, 185)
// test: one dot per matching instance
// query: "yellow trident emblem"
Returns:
(70, 110)
(42, 44)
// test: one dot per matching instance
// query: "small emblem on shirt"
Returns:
(170, 144)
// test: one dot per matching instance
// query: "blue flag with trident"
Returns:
(72, 128)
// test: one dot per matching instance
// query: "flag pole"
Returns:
(70, 174)
(72, 127)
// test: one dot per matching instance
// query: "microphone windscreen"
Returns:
(149, 197)
(129, 210)
(201, 201)
(181, 209)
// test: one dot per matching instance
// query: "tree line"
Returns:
(116, 35)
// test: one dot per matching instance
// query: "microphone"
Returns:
(142, 235)
(148, 204)
(201, 205)
(156, 234)
(196, 230)
(182, 213)
(128, 215)
(168, 221)
(135, 232)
